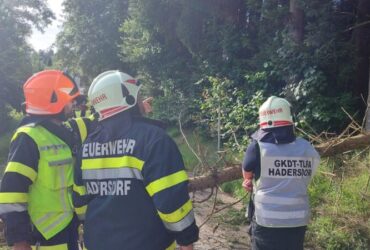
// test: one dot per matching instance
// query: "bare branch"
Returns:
(357, 26)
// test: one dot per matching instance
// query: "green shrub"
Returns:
(234, 188)
(4, 149)
(6, 136)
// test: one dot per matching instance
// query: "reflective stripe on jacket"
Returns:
(49, 197)
(281, 191)
(135, 185)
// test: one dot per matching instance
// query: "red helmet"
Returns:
(48, 92)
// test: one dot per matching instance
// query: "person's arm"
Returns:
(81, 127)
(250, 164)
(20, 173)
(79, 195)
(167, 183)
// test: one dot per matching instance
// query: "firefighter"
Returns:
(35, 193)
(131, 175)
(277, 169)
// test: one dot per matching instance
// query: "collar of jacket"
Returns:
(279, 135)
(154, 122)
(35, 119)
(121, 122)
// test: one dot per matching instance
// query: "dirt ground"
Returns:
(220, 233)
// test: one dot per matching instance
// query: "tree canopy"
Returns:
(89, 40)
(16, 20)
(207, 60)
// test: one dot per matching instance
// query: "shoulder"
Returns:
(25, 131)
(21, 143)
(154, 136)
(21, 137)
(253, 144)
(150, 121)
(252, 149)
(311, 148)
(148, 127)
(87, 121)
(303, 141)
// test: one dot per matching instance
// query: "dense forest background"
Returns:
(208, 59)
(211, 64)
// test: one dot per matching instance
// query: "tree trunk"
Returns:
(361, 38)
(367, 115)
(296, 21)
(234, 172)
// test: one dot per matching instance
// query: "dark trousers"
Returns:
(266, 238)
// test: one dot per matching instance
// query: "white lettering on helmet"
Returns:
(270, 112)
(99, 99)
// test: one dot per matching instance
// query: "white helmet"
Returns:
(275, 112)
(112, 92)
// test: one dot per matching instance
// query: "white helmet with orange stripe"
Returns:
(275, 112)
(112, 92)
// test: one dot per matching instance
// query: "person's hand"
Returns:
(248, 185)
(22, 246)
(188, 247)
(147, 106)
(247, 181)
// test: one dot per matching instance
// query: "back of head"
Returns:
(48, 92)
(275, 112)
(113, 92)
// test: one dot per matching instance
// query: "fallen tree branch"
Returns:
(343, 145)
(230, 173)
(212, 180)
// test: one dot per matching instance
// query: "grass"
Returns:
(204, 147)
(340, 203)
(234, 217)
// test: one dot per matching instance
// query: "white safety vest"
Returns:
(280, 194)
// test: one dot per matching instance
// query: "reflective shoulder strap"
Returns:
(35, 132)
(82, 129)
(24, 129)
(78, 124)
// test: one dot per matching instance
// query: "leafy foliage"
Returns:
(16, 18)
(242, 52)
(223, 54)
(88, 43)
